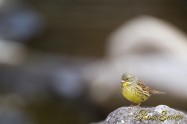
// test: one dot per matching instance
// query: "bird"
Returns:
(135, 90)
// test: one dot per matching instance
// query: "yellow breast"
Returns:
(132, 95)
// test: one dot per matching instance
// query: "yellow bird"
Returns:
(134, 90)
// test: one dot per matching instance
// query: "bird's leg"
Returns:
(131, 105)
(138, 105)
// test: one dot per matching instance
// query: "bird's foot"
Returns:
(132, 105)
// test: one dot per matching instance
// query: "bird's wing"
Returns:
(143, 86)
(146, 88)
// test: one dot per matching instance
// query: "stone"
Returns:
(160, 114)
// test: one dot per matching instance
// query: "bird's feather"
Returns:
(146, 88)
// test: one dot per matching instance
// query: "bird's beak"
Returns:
(122, 81)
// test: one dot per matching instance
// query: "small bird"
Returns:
(134, 90)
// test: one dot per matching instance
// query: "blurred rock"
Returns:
(12, 53)
(64, 74)
(18, 21)
(25, 83)
(68, 83)
(146, 35)
(43, 77)
(161, 114)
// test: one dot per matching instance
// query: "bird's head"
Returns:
(127, 79)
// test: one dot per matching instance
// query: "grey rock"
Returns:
(161, 114)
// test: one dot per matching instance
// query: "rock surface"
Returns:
(161, 114)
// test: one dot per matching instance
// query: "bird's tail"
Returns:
(157, 92)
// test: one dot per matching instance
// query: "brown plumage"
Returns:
(146, 88)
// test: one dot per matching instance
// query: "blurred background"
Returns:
(61, 61)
